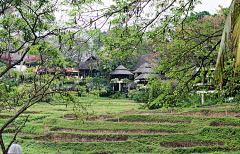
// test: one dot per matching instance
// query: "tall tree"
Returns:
(189, 52)
(26, 28)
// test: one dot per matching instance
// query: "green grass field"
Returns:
(119, 126)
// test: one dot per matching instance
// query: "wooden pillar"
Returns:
(119, 86)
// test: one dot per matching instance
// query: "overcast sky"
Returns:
(207, 5)
(212, 5)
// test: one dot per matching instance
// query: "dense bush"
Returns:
(161, 92)
(98, 83)
(141, 96)
(131, 93)
(196, 99)
(118, 95)
(10, 82)
(108, 90)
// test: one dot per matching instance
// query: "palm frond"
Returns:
(230, 36)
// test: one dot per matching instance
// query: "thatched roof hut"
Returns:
(144, 59)
(90, 62)
(121, 70)
(89, 67)
(144, 68)
(144, 76)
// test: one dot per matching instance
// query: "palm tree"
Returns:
(230, 40)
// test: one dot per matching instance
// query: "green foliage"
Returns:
(70, 60)
(178, 62)
(226, 122)
(101, 84)
(33, 129)
(155, 90)
(97, 41)
(114, 80)
(2, 64)
(125, 80)
(141, 96)
(131, 93)
(15, 74)
(197, 16)
(53, 121)
(117, 95)
(162, 92)
(32, 147)
(8, 82)
(195, 100)
(119, 126)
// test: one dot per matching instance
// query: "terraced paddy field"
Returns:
(119, 126)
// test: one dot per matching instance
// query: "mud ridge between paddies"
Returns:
(62, 137)
(150, 122)
(144, 112)
(88, 117)
(184, 144)
(105, 131)
(214, 124)
(211, 113)
(91, 117)
(217, 106)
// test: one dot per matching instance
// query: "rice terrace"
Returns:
(119, 76)
(119, 126)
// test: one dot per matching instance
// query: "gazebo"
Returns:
(119, 75)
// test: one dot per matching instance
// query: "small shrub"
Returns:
(116, 95)
(141, 96)
(131, 93)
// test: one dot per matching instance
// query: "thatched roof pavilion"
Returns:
(145, 71)
(121, 73)
(144, 68)
(121, 70)
(144, 76)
